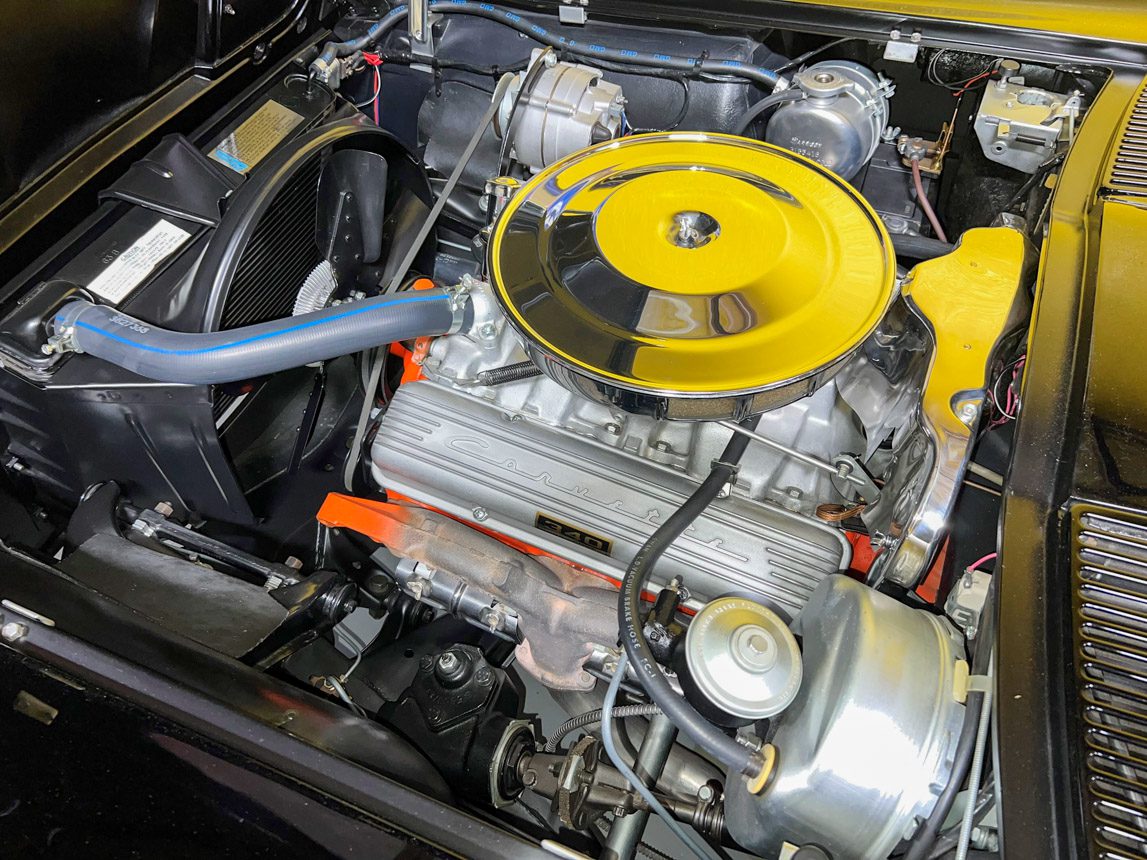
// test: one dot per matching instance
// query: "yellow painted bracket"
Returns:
(968, 299)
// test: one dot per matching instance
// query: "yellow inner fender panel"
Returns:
(691, 263)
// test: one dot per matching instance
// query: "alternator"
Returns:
(564, 107)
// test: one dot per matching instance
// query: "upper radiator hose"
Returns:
(322, 66)
(255, 350)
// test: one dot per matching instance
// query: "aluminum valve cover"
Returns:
(590, 503)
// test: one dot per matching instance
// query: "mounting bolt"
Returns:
(662, 446)
(612, 429)
(706, 793)
(13, 631)
(487, 331)
(480, 514)
(165, 509)
(492, 617)
(448, 663)
(293, 563)
(529, 778)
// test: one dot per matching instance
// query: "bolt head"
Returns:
(13, 631)
(448, 662)
(706, 793)
(165, 509)
(480, 514)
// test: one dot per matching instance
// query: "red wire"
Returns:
(376, 61)
(377, 92)
(968, 85)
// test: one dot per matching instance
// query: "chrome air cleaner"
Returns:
(689, 275)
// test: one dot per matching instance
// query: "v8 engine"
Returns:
(479, 366)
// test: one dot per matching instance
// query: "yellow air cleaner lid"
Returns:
(691, 265)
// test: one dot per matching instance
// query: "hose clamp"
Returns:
(61, 342)
(460, 300)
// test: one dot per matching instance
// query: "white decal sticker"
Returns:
(131, 268)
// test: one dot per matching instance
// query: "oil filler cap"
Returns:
(743, 658)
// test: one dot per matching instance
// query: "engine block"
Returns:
(591, 503)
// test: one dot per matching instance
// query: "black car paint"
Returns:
(1060, 454)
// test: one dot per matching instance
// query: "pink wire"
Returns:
(976, 564)
(924, 204)
(377, 93)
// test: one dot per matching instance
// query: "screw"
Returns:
(612, 429)
(448, 662)
(484, 677)
(491, 617)
(706, 793)
(417, 588)
(165, 509)
(662, 446)
(13, 631)
(487, 331)
(530, 777)
(480, 514)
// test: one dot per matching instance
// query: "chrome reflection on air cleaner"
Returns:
(690, 276)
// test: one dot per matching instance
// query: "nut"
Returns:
(448, 662)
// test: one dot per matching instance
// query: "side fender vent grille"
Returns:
(1128, 171)
(1110, 610)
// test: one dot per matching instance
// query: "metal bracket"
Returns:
(574, 12)
(901, 49)
(419, 27)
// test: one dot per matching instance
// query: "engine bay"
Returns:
(619, 414)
